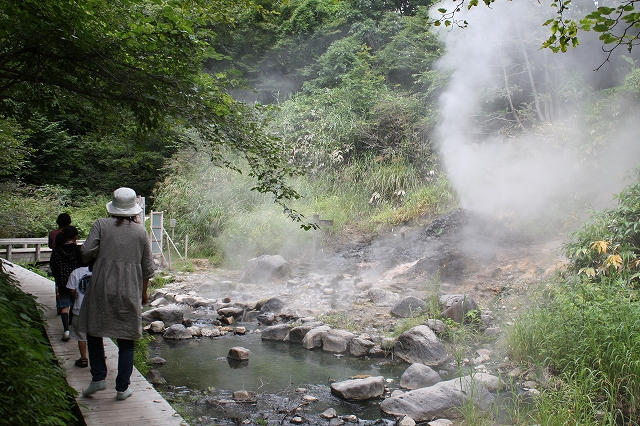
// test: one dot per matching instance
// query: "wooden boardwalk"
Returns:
(145, 406)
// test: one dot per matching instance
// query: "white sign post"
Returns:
(157, 229)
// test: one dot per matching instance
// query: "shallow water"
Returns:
(273, 368)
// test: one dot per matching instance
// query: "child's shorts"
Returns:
(64, 298)
(75, 334)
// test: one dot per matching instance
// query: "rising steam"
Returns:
(544, 165)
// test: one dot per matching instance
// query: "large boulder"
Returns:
(409, 307)
(380, 297)
(169, 315)
(296, 334)
(457, 306)
(419, 376)
(177, 332)
(265, 268)
(359, 389)
(238, 353)
(276, 332)
(272, 304)
(313, 338)
(420, 345)
(360, 347)
(442, 400)
(336, 341)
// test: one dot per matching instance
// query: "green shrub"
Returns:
(32, 384)
(31, 212)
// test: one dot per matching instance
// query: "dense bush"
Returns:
(31, 212)
(32, 384)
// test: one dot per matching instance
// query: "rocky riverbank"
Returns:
(465, 268)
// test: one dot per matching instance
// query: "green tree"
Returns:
(617, 25)
(135, 64)
(13, 151)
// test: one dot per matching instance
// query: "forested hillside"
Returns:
(361, 111)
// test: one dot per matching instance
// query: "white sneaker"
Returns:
(66, 336)
(121, 396)
(95, 387)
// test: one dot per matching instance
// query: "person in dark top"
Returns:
(63, 221)
(64, 259)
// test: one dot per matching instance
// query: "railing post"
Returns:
(37, 253)
(8, 256)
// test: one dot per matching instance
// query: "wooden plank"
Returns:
(145, 407)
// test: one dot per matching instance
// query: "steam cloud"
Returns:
(529, 174)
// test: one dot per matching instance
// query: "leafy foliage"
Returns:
(609, 244)
(33, 387)
(122, 71)
(618, 25)
(30, 212)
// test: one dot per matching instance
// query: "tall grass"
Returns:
(586, 333)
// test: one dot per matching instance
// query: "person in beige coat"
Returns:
(112, 305)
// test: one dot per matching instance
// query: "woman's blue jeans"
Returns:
(95, 348)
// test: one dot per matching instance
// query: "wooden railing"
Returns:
(26, 249)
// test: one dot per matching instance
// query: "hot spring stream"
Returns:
(274, 371)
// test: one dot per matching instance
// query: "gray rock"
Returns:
(336, 341)
(313, 338)
(359, 389)
(177, 332)
(443, 399)
(440, 422)
(457, 306)
(436, 325)
(329, 413)
(157, 326)
(196, 301)
(359, 346)
(273, 304)
(245, 396)
(238, 353)
(252, 316)
(296, 334)
(210, 332)
(419, 376)
(170, 314)
(156, 360)
(265, 268)
(407, 421)
(276, 332)
(161, 301)
(194, 330)
(155, 378)
(267, 318)
(231, 311)
(420, 345)
(381, 297)
(491, 382)
(409, 307)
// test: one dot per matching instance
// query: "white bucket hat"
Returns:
(124, 203)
